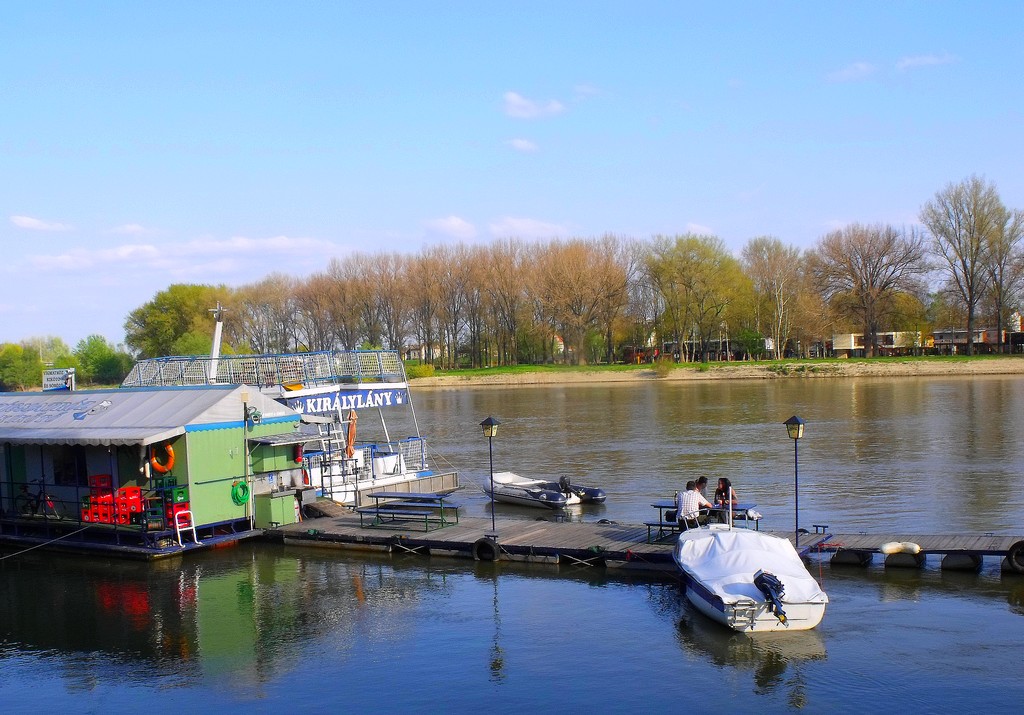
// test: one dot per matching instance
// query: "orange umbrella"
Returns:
(350, 441)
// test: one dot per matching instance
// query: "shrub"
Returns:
(414, 371)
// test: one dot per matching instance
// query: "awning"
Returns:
(95, 437)
(136, 416)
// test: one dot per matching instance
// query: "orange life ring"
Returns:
(350, 439)
(169, 465)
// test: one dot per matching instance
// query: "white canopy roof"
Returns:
(121, 416)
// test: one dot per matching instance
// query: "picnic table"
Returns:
(741, 511)
(410, 506)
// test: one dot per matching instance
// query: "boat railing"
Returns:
(371, 461)
(289, 370)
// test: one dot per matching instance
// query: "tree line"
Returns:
(581, 300)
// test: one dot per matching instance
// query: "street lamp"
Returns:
(490, 426)
(795, 428)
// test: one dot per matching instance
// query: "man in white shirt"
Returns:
(689, 505)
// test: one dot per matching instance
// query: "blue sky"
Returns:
(145, 144)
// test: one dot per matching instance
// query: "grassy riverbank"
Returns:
(762, 370)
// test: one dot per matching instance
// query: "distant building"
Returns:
(849, 345)
(953, 341)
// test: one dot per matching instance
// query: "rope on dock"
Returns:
(45, 543)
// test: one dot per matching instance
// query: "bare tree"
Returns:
(859, 269)
(775, 270)
(618, 267)
(507, 270)
(964, 219)
(389, 281)
(575, 276)
(341, 283)
(313, 313)
(268, 314)
(425, 271)
(1003, 264)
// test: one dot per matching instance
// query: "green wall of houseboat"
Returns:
(215, 461)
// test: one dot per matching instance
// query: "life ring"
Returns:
(239, 493)
(1015, 557)
(168, 465)
(485, 549)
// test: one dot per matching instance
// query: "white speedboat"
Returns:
(748, 580)
(511, 488)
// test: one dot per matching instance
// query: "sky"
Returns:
(147, 144)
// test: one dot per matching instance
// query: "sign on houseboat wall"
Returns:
(59, 379)
(329, 403)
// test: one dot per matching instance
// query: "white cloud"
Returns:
(35, 224)
(852, 73)
(512, 227)
(699, 230)
(524, 145)
(909, 63)
(191, 258)
(131, 229)
(520, 107)
(453, 227)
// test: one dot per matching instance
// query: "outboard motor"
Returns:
(771, 587)
(564, 485)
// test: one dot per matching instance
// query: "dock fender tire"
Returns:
(485, 549)
(1015, 557)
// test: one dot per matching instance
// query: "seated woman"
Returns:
(725, 496)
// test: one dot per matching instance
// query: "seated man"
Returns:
(690, 503)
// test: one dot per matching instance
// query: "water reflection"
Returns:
(238, 617)
(776, 659)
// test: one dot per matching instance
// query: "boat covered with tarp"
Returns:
(748, 580)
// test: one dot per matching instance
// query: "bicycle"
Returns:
(40, 503)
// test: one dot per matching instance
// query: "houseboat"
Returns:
(145, 472)
(350, 405)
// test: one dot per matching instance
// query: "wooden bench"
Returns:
(670, 526)
(396, 515)
(419, 505)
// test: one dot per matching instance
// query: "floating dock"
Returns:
(605, 544)
(958, 552)
(609, 544)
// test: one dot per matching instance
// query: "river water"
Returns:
(264, 628)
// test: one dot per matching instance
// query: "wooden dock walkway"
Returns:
(602, 544)
(609, 544)
(961, 552)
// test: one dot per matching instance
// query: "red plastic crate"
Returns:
(128, 506)
(86, 514)
(100, 497)
(173, 509)
(129, 493)
(99, 481)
